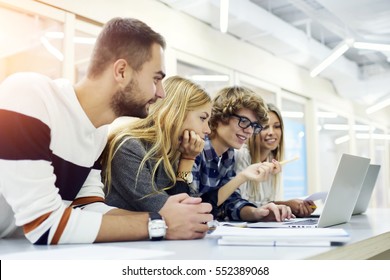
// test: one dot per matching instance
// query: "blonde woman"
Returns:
(267, 146)
(147, 160)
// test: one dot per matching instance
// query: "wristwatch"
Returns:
(186, 176)
(157, 227)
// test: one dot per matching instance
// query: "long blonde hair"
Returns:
(278, 153)
(160, 130)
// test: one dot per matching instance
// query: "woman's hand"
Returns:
(276, 167)
(191, 144)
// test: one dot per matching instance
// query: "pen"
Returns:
(313, 207)
(288, 160)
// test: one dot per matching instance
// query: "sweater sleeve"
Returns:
(132, 188)
(27, 178)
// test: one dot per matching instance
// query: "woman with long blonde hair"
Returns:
(147, 160)
(266, 146)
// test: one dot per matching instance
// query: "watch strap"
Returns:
(183, 175)
(155, 216)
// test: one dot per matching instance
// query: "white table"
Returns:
(370, 238)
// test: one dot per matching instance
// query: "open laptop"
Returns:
(367, 189)
(341, 198)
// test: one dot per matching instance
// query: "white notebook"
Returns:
(280, 237)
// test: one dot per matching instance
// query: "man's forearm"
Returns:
(122, 225)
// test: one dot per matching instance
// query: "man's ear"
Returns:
(121, 70)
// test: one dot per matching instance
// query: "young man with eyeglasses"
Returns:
(237, 114)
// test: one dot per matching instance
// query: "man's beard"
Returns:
(128, 102)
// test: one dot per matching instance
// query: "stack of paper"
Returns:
(281, 236)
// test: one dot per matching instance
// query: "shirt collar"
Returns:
(211, 154)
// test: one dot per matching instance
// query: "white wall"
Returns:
(191, 36)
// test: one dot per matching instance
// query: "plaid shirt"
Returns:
(211, 172)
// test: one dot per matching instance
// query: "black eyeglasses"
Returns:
(244, 122)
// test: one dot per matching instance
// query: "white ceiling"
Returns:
(305, 32)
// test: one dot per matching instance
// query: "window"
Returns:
(294, 173)
(265, 90)
(381, 192)
(362, 133)
(333, 141)
(84, 41)
(27, 43)
(212, 81)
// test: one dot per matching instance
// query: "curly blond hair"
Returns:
(229, 100)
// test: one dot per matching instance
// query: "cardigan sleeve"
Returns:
(132, 187)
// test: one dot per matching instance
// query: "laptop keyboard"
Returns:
(304, 222)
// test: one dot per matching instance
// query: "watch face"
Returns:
(157, 228)
(190, 178)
